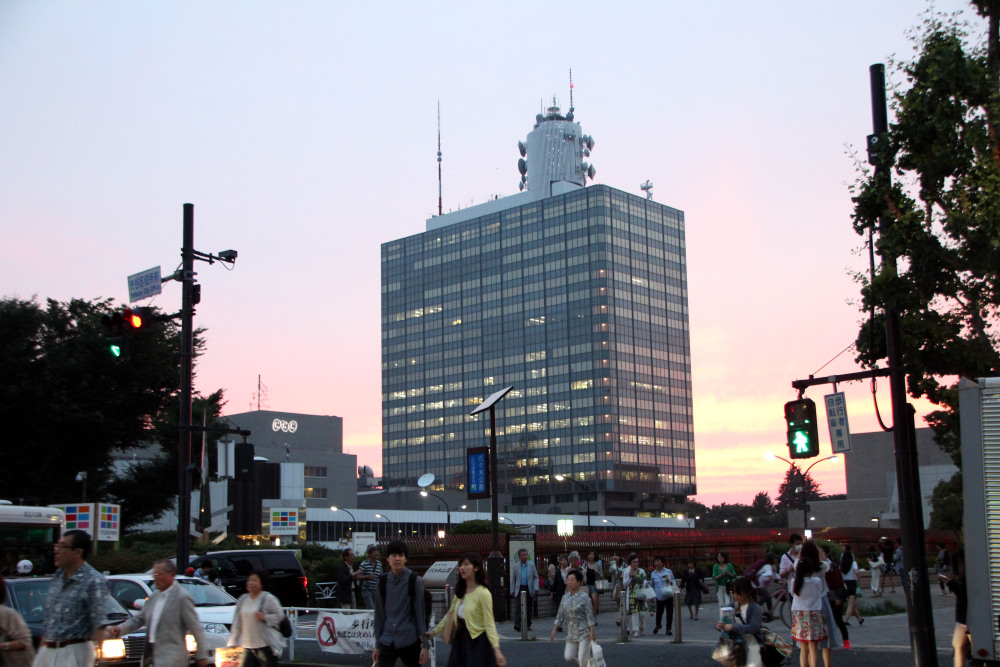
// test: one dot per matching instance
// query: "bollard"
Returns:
(432, 654)
(626, 617)
(525, 614)
(678, 636)
(294, 619)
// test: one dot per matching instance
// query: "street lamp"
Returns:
(503, 518)
(610, 521)
(426, 493)
(802, 476)
(586, 491)
(341, 509)
(382, 516)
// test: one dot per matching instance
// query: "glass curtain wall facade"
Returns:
(580, 302)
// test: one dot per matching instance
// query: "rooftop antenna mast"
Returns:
(571, 89)
(440, 209)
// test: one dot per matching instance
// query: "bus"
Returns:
(26, 536)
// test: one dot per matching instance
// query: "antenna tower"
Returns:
(440, 208)
(570, 88)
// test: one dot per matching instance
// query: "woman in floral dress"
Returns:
(576, 617)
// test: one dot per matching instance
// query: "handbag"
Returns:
(596, 656)
(284, 625)
(450, 627)
(730, 652)
(602, 584)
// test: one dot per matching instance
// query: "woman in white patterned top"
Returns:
(576, 617)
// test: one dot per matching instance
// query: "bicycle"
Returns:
(780, 606)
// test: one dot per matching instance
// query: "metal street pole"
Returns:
(915, 582)
(494, 564)
(187, 357)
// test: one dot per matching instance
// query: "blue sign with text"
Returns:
(478, 473)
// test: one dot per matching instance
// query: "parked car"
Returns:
(28, 596)
(288, 579)
(215, 607)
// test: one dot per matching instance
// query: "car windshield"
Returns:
(203, 593)
(30, 598)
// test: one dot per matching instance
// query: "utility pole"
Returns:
(915, 583)
(190, 296)
(187, 360)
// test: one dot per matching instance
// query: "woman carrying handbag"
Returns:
(475, 642)
(576, 617)
(255, 623)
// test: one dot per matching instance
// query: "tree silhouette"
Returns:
(793, 494)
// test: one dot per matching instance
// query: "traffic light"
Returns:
(120, 325)
(803, 432)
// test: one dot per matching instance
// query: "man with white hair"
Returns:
(168, 615)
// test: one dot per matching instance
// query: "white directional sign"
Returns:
(144, 284)
(836, 417)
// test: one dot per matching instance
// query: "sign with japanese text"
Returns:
(346, 631)
(836, 417)
(144, 284)
(478, 470)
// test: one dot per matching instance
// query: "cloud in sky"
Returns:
(306, 135)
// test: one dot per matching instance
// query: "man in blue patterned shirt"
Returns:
(75, 607)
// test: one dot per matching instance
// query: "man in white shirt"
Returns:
(788, 560)
(169, 615)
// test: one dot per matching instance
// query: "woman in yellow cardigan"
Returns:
(476, 642)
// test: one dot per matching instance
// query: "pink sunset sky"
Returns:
(305, 135)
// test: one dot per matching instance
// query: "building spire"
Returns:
(440, 207)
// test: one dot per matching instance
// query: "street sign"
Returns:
(478, 483)
(144, 284)
(836, 417)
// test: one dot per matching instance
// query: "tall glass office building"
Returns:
(576, 296)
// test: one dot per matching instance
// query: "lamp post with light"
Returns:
(382, 516)
(586, 491)
(802, 476)
(425, 493)
(334, 508)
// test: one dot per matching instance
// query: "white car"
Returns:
(215, 607)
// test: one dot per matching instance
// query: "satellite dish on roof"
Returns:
(425, 480)
(522, 148)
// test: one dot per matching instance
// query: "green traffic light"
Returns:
(116, 350)
(801, 442)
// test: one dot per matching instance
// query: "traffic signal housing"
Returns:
(803, 431)
(120, 325)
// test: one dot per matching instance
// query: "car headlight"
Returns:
(192, 645)
(112, 649)
(217, 628)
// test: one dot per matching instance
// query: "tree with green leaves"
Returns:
(939, 214)
(70, 406)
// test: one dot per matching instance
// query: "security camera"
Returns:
(228, 255)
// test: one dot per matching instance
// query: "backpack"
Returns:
(411, 589)
(751, 572)
(834, 578)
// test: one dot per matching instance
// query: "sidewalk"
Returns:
(878, 632)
